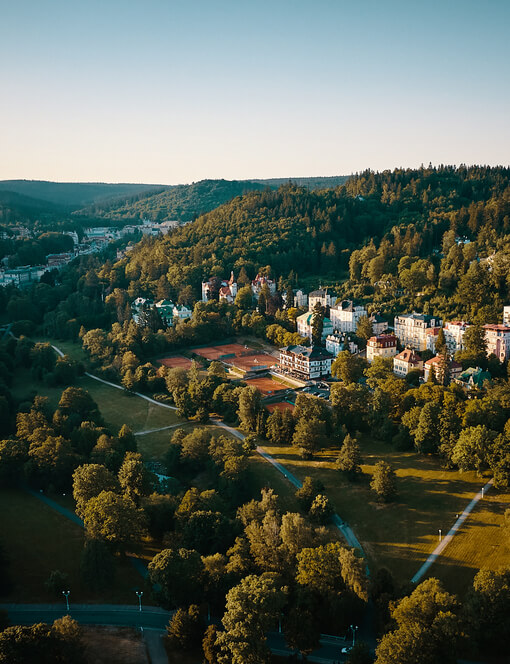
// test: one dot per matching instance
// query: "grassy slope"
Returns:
(401, 535)
(25, 524)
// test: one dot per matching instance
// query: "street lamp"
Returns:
(66, 594)
(354, 630)
(139, 594)
(440, 534)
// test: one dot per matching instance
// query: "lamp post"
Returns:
(66, 594)
(139, 594)
(440, 534)
(354, 629)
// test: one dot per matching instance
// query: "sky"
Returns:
(171, 91)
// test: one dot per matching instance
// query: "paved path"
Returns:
(170, 426)
(448, 538)
(344, 529)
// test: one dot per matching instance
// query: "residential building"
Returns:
(300, 298)
(305, 363)
(432, 334)
(258, 284)
(435, 364)
(58, 260)
(406, 361)
(182, 312)
(379, 324)
(337, 342)
(223, 288)
(472, 378)
(382, 345)
(411, 329)
(498, 341)
(22, 276)
(506, 315)
(304, 325)
(454, 335)
(138, 305)
(323, 296)
(166, 310)
(345, 316)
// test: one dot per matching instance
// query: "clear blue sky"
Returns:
(171, 91)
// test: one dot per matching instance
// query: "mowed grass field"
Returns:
(38, 540)
(401, 535)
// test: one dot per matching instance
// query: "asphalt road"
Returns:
(151, 618)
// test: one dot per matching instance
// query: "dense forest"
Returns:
(183, 202)
(409, 238)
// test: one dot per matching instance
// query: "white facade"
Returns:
(304, 326)
(454, 335)
(406, 361)
(336, 343)
(321, 296)
(411, 329)
(258, 284)
(498, 341)
(506, 315)
(300, 298)
(305, 363)
(227, 289)
(182, 312)
(379, 324)
(345, 316)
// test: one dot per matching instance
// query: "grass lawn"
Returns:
(402, 534)
(116, 406)
(38, 540)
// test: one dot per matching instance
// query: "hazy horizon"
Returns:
(173, 92)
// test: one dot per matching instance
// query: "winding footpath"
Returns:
(341, 525)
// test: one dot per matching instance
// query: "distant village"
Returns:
(94, 240)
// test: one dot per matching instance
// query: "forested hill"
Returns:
(183, 202)
(320, 182)
(392, 214)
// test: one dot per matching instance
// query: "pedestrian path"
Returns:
(454, 530)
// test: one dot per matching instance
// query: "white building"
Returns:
(345, 316)
(182, 312)
(506, 315)
(304, 325)
(336, 343)
(305, 363)
(454, 335)
(300, 298)
(379, 324)
(382, 345)
(411, 329)
(406, 361)
(226, 290)
(323, 296)
(498, 341)
(258, 284)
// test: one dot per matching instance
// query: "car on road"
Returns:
(346, 650)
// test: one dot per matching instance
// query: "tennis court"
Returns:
(280, 405)
(176, 361)
(215, 352)
(266, 385)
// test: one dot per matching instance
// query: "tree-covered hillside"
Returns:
(382, 217)
(183, 202)
(74, 194)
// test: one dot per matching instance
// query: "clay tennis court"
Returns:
(215, 352)
(176, 361)
(280, 405)
(266, 385)
(250, 362)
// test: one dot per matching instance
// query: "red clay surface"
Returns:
(280, 405)
(214, 352)
(249, 362)
(266, 385)
(176, 361)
